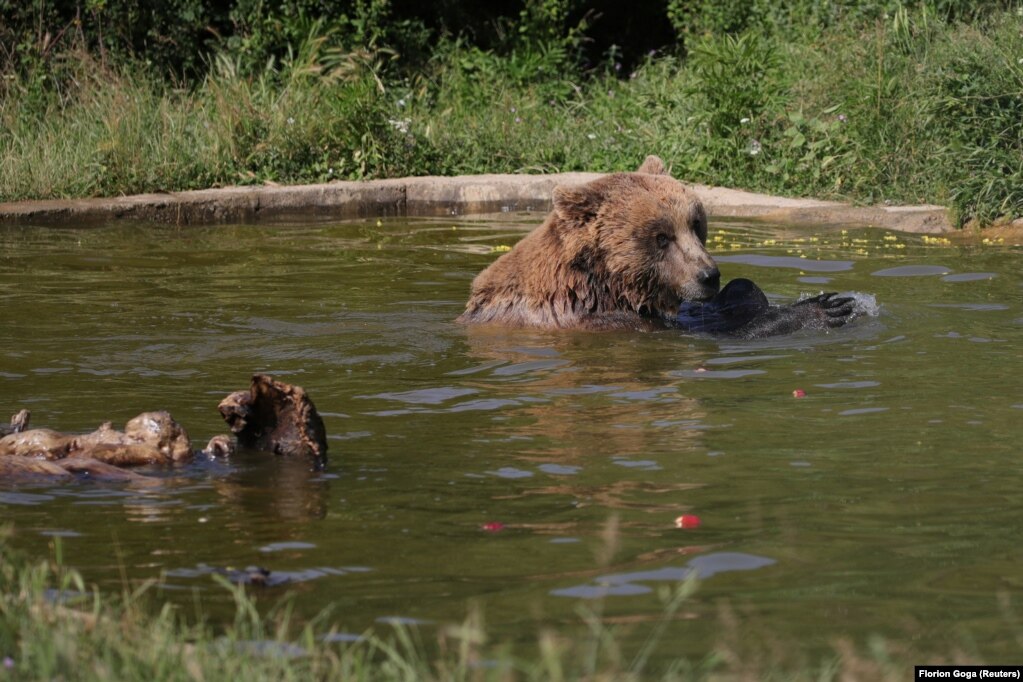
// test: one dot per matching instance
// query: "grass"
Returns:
(52, 626)
(906, 109)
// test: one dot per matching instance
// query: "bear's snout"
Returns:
(710, 280)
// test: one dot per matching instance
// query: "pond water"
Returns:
(887, 501)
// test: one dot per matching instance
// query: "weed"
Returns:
(898, 104)
(52, 626)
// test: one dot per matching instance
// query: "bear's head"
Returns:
(640, 237)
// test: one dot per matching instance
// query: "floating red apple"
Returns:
(687, 521)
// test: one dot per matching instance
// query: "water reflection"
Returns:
(793, 262)
(289, 490)
(646, 496)
(561, 391)
(628, 584)
(913, 271)
(899, 460)
(254, 575)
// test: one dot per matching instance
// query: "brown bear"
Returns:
(275, 417)
(621, 252)
(150, 438)
(271, 415)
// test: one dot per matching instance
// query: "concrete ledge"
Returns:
(435, 196)
(732, 203)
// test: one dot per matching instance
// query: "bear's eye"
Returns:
(663, 240)
(701, 231)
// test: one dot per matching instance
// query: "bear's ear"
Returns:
(577, 206)
(652, 165)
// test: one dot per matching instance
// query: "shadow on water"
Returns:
(483, 464)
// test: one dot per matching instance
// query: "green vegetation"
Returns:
(871, 101)
(53, 628)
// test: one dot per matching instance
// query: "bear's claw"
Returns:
(837, 310)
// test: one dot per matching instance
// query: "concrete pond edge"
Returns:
(438, 196)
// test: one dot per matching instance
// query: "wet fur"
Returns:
(275, 417)
(149, 438)
(620, 252)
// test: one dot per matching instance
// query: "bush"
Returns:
(173, 35)
(851, 103)
(979, 111)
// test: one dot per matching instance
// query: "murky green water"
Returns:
(887, 501)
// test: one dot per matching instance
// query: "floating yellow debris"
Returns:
(500, 248)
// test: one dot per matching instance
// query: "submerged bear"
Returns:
(270, 416)
(626, 251)
(621, 252)
(149, 438)
(276, 417)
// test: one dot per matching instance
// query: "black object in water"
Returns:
(741, 310)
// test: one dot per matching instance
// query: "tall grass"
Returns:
(53, 627)
(910, 107)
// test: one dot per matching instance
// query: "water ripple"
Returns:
(912, 271)
(703, 567)
(794, 262)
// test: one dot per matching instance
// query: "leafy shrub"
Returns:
(172, 35)
(735, 78)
